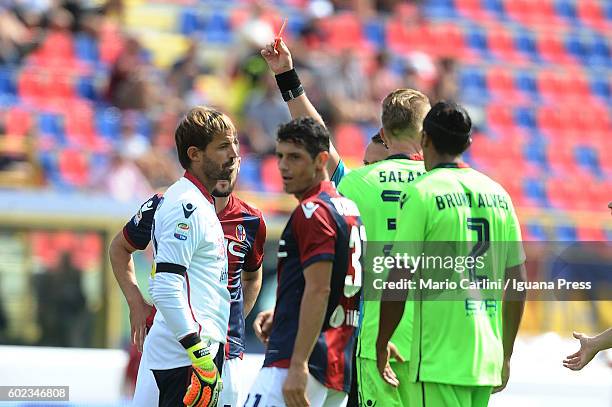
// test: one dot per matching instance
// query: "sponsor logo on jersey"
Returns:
(181, 231)
(188, 209)
(240, 233)
(309, 209)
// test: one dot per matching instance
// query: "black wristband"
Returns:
(287, 81)
(293, 93)
(190, 340)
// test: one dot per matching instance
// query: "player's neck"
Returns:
(221, 203)
(442, 159)
(407, 147)
(208, 184)
(317, 180)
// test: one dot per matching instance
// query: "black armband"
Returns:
(190, 340)
(289, 85)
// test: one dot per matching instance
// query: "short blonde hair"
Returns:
(403, 111)
(198, 128)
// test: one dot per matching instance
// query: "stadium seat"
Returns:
(74, 168)
(535, 190)
(586, 156)
(108, 123)
(535, 232)
(525, 43)
(217, 28)
(524, 117)
(601, 89)
(477, 40)
(250, 177)
(587, 234)
(374, 31)
(552, 50)
(440, 9)
(500, 83)
(189, 21)
(472, 9)
(86, 48)
(600, 55)
(51, 124)
(501, 45)
(592, 14)
(535, 152)
(577, 48)
(526, 83)
(18, 121)
(495, 7)
(566, 233)
(344, 31)
(473, 85)
(8, 83)
(566, 10)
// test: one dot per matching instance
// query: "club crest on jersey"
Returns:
(309, 209)
(181, 231)
(240, 233)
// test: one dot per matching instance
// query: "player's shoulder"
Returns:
(248, 208)
(184, 198)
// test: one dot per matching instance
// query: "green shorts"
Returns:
(427, 394)
(374, 391)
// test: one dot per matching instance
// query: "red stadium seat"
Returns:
(500, 83)
(349, 141)
(18, 121)
(499, 117)
(586, 234)
(501, 44)
(74, 167)
(552, 49)
(591, 13)
(344, 31)
(552, 85)
(472, 9)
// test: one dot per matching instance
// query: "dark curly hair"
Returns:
(450, 128)
(305, 132)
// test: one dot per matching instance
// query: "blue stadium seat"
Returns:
(108, 123)
(525, 117)
(477, 40)
(86, 48)
(525, 43)
(607, 9)
(473, 85)
(566, 233)
(600, 53)
(374, 31)
(536, 231)
(535, 152)
(567, 9)
(587, 157)
(576, 47)
(534, 189)
(525, 81)
(7, 82)
(496, 7)
(295, 24)
(50, 124)
(442, 9)
(189, 21)
(250, 177)
(86, 88)
(217, 28)
(601, 88)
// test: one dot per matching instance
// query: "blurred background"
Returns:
(91, 91)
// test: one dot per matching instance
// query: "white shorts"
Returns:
(267, 391)
(146, 393)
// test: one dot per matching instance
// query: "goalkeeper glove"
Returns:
(206, 384)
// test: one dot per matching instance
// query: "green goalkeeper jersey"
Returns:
(457, 340)
(376, 189)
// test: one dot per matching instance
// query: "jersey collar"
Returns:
(231, 204)
(200, 186)
(412, 157)
(451, 165)
(321, 186)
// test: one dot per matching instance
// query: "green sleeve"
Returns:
(348, 188)
(515, 254)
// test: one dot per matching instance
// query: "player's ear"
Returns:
(193, 153)
(384, 137)
(424, 139)
(321, 160)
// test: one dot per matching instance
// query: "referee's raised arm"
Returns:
(280, 62)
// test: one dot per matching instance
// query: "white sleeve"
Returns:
(176, 238)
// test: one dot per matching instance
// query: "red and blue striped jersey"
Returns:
(325, 227)
(245, 234)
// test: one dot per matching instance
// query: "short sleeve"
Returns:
(339, 173)
(138, 230)
(515, 253)
(315, 232)
(177, 236)
(256, 254)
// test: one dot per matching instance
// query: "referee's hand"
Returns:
(279, 60)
